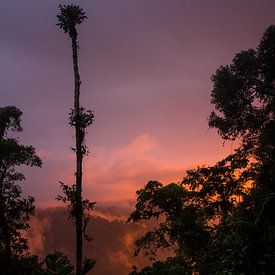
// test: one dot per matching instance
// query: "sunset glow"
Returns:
(146, 71)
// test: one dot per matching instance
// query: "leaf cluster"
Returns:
(172, 266)
(10, 120)
(56, 263)
(70, 199)
(179, 226)
(69, 16)
(243, 92)
(84, 119)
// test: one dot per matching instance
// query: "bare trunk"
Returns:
(79, 157)
(3, 222)
(8, 248)
(7, 237)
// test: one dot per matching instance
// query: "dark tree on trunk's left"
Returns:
(15, 211)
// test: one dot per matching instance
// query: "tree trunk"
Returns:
(7, 237)
(79, 157)
(3, 222)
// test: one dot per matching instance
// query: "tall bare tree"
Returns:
(80, 119)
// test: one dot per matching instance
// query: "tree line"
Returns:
(219, 219)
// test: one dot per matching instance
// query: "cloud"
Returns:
(112, 245)
(114, 211)
(36, 235)
(109, 174)
(117, 174)
(139, 148)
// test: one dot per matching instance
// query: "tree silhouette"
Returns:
(15, 211)
(80, 119)
(234, 199)
(244, 95)
(56, 263)
(181, 226)
(171, 267)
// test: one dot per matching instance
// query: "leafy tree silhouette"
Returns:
(15, 211)
(244, 96)
(234, 199)
(80, 119)
(56, 263)
(180, 228)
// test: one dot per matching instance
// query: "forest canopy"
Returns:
(220, 219)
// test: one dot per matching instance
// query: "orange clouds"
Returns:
(110, 174)
(117, 174)
(113, 174)
(36, 235)
(112, 245)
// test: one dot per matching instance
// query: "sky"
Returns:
(146, 69)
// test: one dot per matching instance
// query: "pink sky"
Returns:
(145, 68)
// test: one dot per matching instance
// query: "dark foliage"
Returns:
(220, 219)
(69, 17)
(15, 211)
(56, 263)
(173, 266)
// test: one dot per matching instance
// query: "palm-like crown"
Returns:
(69, 16)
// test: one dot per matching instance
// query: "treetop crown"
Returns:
(69, 16)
